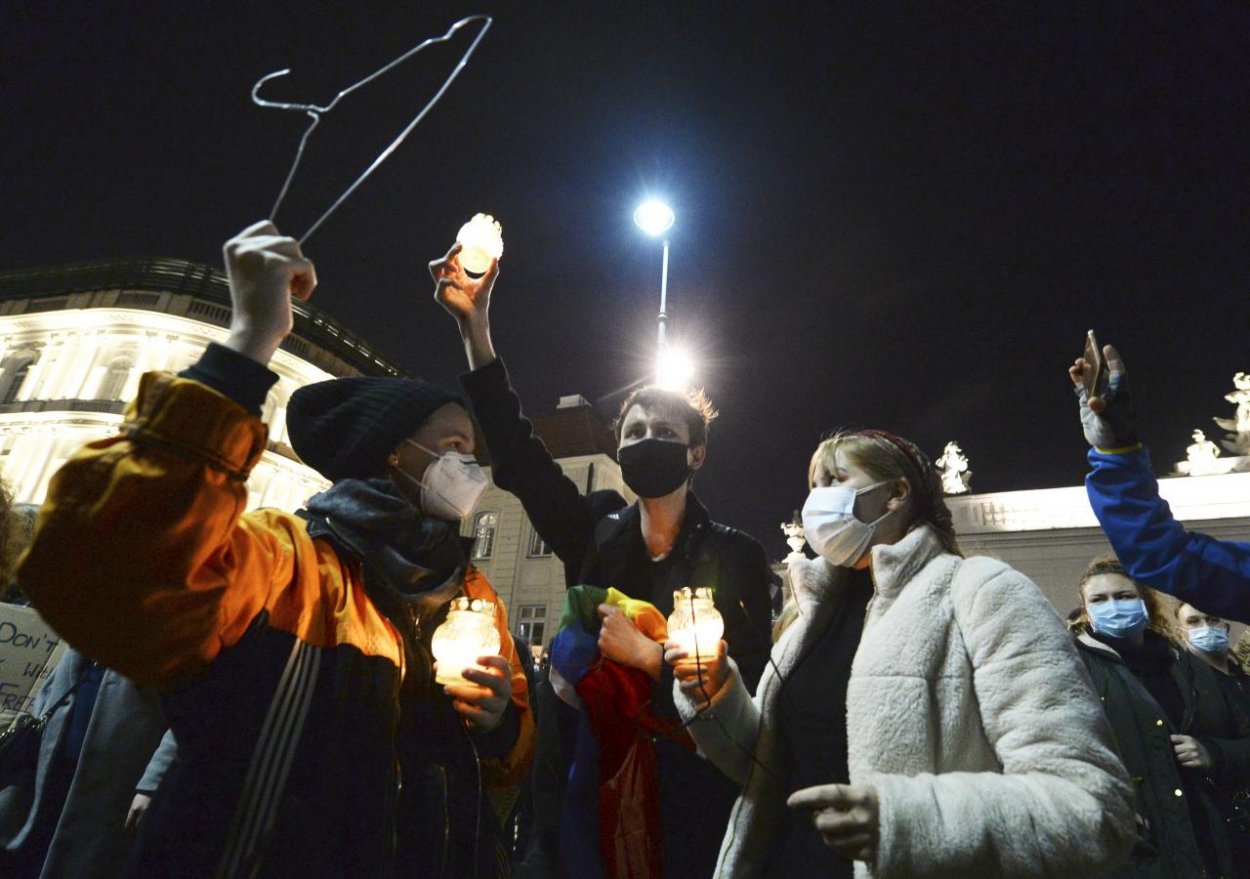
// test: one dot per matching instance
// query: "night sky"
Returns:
(893, 215)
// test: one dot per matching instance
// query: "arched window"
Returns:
(484, 525)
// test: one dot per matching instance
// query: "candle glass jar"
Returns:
(695, 623)
(481, 240)
(467, 633)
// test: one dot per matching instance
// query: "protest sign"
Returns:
(29, 650)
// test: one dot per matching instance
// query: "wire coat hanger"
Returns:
(315, 112)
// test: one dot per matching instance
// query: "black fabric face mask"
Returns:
(653, 468)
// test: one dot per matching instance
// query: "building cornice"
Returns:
(1191, 498)
(138, 283)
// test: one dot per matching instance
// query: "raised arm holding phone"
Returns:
(1154, 548)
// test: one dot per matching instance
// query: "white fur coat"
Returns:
(967, 709)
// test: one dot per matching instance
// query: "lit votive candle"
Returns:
(481, 241)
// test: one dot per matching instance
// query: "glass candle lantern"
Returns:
(481, 241)
(695, 623)
(467, 633)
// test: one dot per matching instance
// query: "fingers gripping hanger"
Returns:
(315, 112)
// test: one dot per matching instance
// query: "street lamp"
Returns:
(655, 218)
(674, 368)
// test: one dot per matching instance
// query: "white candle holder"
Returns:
(695, 623)
(481, 241)
(467, 633)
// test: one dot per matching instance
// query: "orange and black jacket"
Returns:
(144, 559)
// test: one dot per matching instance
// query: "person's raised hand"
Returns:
(468, 301)
(1107, 421)
(847, 817)
(266, 269)
(481, 701)
(463, 297)
(698, 679)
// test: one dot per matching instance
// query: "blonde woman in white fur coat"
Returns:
(974, 744)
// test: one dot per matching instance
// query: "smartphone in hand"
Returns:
(1095, 378)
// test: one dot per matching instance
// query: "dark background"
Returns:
(896, 215)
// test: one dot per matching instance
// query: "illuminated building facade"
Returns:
(74, 341)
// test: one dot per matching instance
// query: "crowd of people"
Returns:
(256, 694)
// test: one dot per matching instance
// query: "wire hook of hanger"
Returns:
(315, 112)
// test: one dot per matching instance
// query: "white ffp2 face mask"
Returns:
(451, 486)
(830, 525)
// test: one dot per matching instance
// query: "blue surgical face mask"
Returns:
(1209, 639)
(1118, 617)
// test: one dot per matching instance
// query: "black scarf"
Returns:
(1151, 663)
(413, 565)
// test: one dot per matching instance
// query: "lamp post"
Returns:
(655, 218)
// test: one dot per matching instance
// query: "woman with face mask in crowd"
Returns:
(1180, 736)
(924, 714)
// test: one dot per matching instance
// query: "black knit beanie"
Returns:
(346, 428)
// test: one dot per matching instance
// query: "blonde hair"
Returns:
(886, 456)
(1241, 651)
(789, 613)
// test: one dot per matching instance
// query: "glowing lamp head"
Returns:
(467, 633)
(654, 217)
(674, 369)
(481, 241)
(695, 623)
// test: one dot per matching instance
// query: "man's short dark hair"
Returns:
(693, 406)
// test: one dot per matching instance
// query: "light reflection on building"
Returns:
(74, 341)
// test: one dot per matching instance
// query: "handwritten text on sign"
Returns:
(29, 650)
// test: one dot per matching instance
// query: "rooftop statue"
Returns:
(794, 537)
(1201, 455)
(956, 477)
(1238, 427)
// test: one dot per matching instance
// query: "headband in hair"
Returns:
(922, 469)
(926, 484)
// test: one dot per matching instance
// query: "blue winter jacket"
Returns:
(1155, 549)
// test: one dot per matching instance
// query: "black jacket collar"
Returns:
(622, 529)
